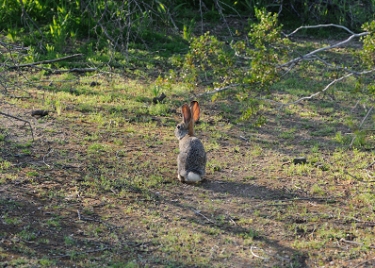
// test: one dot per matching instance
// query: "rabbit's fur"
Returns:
(192, 158)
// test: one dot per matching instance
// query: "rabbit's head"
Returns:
(190, 115)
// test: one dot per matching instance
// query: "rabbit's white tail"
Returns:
(193, 177)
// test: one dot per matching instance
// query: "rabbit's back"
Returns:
(192, 157)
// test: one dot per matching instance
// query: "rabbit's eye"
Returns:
(178, 126)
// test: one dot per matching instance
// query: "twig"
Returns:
(316, 199)
(361, 264)
(255, 255)
(200, 214)
(370, 165)
(75, 70)
(201, 14)
(360, 125)
(20, 119)
(83, 218)
(85, 252)
(364, 119)
(354, 243)
(42, 62)
(220, 10)
(50, 150)
(243, 138)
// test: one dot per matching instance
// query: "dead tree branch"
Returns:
(321, 91)
(319, 26)
(309, 55)
(328, 86)
(220, 10)
(42, 62)
(20, 119)
(75, 70)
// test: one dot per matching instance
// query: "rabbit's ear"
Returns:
(195, 110)
(186, 113)
(187, 119)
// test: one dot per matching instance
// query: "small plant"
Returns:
(317, 190)
(59, 107)
(53, 222)
(32, 173)
(46, 262)
(11, 220)
(69, 241)
(26, 234)
(4, 165)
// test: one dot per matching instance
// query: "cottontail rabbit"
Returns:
(192, 158)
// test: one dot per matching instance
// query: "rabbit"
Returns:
(192, 158)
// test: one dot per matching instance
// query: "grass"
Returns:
(98, 186)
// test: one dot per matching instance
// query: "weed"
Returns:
(11, 220)
(32, 173)
(4, 165)
(317, 190)
(46, 262)
(69, 241)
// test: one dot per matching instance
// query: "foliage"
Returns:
(120, 24)
(207, 59)
(266, 49)
(247, 63)
(57, 23)
(367, 54)
(250, 65)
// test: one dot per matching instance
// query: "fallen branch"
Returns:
(197, 212)
(42, 62)
(308, 55)
(20, 119)
(328, 86)
(75, 70)
(317, 93)
(319, 26)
